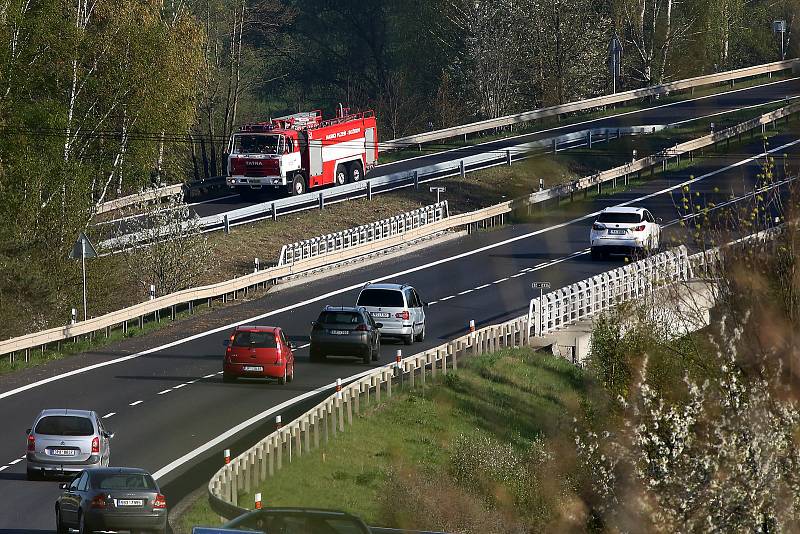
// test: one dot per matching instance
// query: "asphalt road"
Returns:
(653, 115)
(171, 401)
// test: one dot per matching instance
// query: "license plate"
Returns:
(617, 232)
(253, 368)
(380, 315)
(62, 452)
(339, 332)
(130, 502)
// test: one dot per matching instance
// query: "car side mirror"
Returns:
(293, 345)
(28, 431)
(378, 325)
(313, 324)
(63, 485)
(108, 435)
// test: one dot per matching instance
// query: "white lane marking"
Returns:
(467, 291)
(219, 373)
(431, 303)
(192, 381)
(781, 100)
(500, 281)
(3, 468)
(446, 298)
(179, 386)
(135, 403)
(165, 391)
(304, 346)
(517, 275)
(245, 424)
(211, 200)
(482, 287)
(109, 414)
(15, 462)
(526, 269)
(589, 121)
(359, 285)
(210, 376)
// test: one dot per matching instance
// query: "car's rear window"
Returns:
(123, 481)
(64, 425)
(382, 298)
(612, 217)
(340, 317)
(255, 340)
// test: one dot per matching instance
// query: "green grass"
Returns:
(514, 403)
(552, 122)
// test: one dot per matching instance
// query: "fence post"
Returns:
(416, 179)
(461, 169)
(321, 201)
(274, 212)
(369, 190)
(508, 157)
(411, 378)
(389, 386)
(271, 457)
(226, 223)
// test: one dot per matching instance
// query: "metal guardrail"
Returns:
(360, 235)
(636, 94)
(229, 289)
(144, 196)
(665, 156)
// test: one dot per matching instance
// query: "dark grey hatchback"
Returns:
(345, 331)
(111, 498)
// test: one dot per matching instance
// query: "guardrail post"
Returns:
(272, 452)
(435, 359)
(226, 223)
(321, 201)
(412, 368)
(589, 139)
(316, 420)
(349, 401)
(555, 145)
(297, 431)
(274, 212)
(416, 179)
(422, 368)
(389, 385)
(369, 190)
(461, 169)
(508, 157)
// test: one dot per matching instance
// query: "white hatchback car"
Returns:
(624, 230)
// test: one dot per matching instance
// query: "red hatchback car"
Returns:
(258, 352)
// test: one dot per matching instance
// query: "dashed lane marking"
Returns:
(109, 414)
(446, 298)
(3, 468)
(304, 346)
(15, 462)
(467, 291)
(517, 275)
(209, 376)
(482, 287)
(180, 386)
(500, 281)
(135, 403)
(165, 391)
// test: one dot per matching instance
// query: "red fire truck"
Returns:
(302, 151)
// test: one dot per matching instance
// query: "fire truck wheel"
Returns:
(298, 185)
(356, 173)
(341, 175)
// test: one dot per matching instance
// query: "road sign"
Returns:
(82, 248)
(540, 285)
(438, 190)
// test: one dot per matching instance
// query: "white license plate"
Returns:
(617, 232)
(339, 332)
(380, 315)
(253, 368)
(130, 502)
(62, 452)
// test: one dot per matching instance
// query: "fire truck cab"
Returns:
(302, 151)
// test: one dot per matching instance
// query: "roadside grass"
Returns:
(577, 117)
(476, 436)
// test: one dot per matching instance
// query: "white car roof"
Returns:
(623, 209)
(395, 287)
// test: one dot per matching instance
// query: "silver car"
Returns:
(398, 307)
(66, 441)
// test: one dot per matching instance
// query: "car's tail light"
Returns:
(639, 228)
(99, 501)
(598, 226)
(160, 502)
(361, 328)
(404, 315)
(95, 445)
(31, 443)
